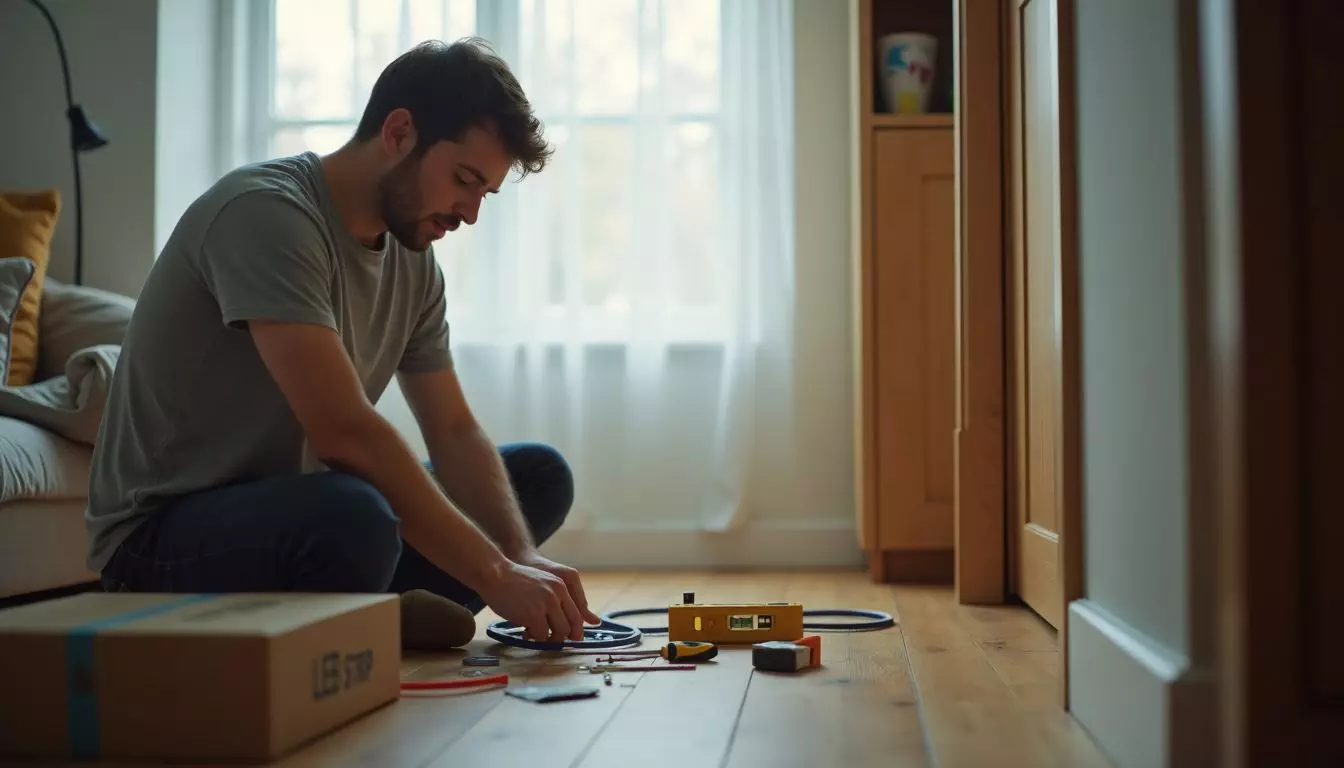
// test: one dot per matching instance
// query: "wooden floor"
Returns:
(951, 686)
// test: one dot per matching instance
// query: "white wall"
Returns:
(186, 120)
(143, 70)
(112, 52)
(1132, 257)
(1135, 665)
(822, 201)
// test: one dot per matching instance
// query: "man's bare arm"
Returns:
(465, 459)
(313, 371)
(469, 468)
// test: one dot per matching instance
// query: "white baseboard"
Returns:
(749, 547)
(1143, 703)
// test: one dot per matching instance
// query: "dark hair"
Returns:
(448, 88)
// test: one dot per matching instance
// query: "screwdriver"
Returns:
(688, 650)
(677, 650)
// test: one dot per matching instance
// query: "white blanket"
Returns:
(69, 404)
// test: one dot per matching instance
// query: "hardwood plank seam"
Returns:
(454, 739)
(929, 751)
(602, 729)
(737, 722)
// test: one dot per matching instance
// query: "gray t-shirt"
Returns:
(192, 405)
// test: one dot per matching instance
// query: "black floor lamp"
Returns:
(84, 136)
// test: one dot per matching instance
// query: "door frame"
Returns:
(979, 477)
(984, 459)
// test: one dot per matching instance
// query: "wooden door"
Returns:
(915, 324)
(1039, 199)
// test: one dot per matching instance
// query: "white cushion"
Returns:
(38, 464)
(76, 317)
(43, 545)
(15, 275)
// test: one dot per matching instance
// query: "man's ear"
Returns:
(398, 133)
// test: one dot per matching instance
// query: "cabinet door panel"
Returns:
(914, 314)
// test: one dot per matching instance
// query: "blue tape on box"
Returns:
(81, 682)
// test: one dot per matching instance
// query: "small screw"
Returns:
(607, 678)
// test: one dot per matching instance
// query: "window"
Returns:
(621, 235)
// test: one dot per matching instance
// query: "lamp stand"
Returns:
(84, 136)
(79, 218)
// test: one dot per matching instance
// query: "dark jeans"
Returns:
(323, 532)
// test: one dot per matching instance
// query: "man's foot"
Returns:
(430, 622)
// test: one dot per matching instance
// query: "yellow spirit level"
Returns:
(728, 623)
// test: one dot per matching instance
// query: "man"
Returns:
(240, 450)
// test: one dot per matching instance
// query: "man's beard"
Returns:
(399, 203)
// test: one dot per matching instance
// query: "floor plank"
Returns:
(858, 709)
(984, 676)
(710, 697)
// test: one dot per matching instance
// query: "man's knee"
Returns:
(356, 540)
(558, 479)
(544, 482)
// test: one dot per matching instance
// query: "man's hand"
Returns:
(470, 470)
(569, 576)
(536, 600)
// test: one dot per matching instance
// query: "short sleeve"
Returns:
(264, 258)
(428, 349)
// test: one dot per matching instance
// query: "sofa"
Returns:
(47, 431)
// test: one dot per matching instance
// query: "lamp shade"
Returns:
(84, 133)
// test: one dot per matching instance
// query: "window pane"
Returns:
(695, 206)
(546, 41)
(316, 138)
(426, 19)
(550, 196)
(691, 55)
(314, 46)
(378, 24)
(441, 19)
(607, 154)
(606, 36)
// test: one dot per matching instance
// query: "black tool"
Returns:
(547, 693)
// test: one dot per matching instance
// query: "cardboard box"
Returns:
(241, 677)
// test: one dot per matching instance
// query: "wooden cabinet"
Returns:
(913, 326)
(905, 321)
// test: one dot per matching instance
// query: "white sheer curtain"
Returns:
(632, 305)
(636, 291)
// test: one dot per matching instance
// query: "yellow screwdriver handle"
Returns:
(689, 650)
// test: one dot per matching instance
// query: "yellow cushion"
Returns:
(27, 223)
